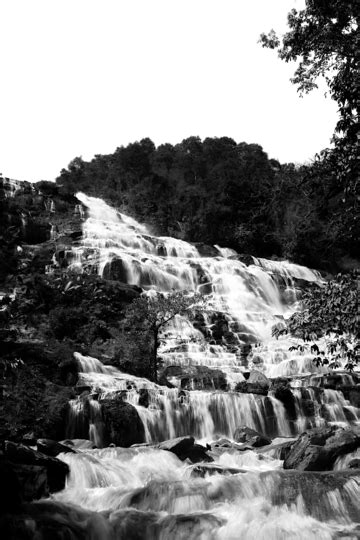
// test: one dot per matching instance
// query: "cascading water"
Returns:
(149, 493)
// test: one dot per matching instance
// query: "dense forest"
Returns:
(219, 192)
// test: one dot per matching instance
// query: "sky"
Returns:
(82, 77)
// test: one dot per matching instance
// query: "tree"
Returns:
(148, 316)
(325, 40)
(330, 310)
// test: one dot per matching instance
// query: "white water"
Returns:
(149, 493)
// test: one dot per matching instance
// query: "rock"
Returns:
(116, 270)
(179, 446)
(318, 448)
(206, 250)
(354, 463)
(144, 397)
(56, 470)
(197, 454)
(122, 424)
(282, 392)
(29, 439)
(256, 383)
(256, 377)
(79, 444)
(278, 450)
(245, 387)
(194, 377)
(253, 438)
(10, 488)
(53, 448)
(200, 471)
(33, 480)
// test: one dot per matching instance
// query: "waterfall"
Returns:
(146, 492)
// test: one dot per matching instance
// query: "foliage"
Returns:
(148, 316)
(324, 38)
(219, 192)
(331, 310)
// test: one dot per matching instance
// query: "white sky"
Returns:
(81, 77)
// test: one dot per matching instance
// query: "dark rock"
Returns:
(56, 470)
(251, 437)
(122, 424)
(53, 448)
(116, 270)
(79, 444)
(29, 439)
(197, 454)
(33, 480)
(10, 488)
(179, 446)
(308, 407)
(206, 250)
(194, 377)
(245, 387)
(144, 397)
(279, 450)
(256, 377)
(354, 463)
(200, 471)
(184, 448)
(318, 448)
(282, 392)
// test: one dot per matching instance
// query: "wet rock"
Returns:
(194, 378)
(256, 377)
(251, 437)
(245, 387)
(29, 439)
(116, 270)
(318, 448)
(354, 463)
(32, 480)
(197, 454)
(256, 383)
(79, 444)
(56, 470)
(206, 250)
(189, 526)
(10, 488)
(278, 450)
(53, 448)
(144, 397)
(317, 491)
(179, 446)
(282, 392)
(122, 424)
(200, 471)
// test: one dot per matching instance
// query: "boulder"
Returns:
(194, 377)
(251, 437)
(282, 391)
(256, 383)
(256, 377)
(179, 446)
(56, 470)
(122, 423)
(317, 449)
(32, 479)
(278, 450)
(53, 448)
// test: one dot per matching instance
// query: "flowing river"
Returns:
(144, 492)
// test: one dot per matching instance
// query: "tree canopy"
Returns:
(324, 40)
